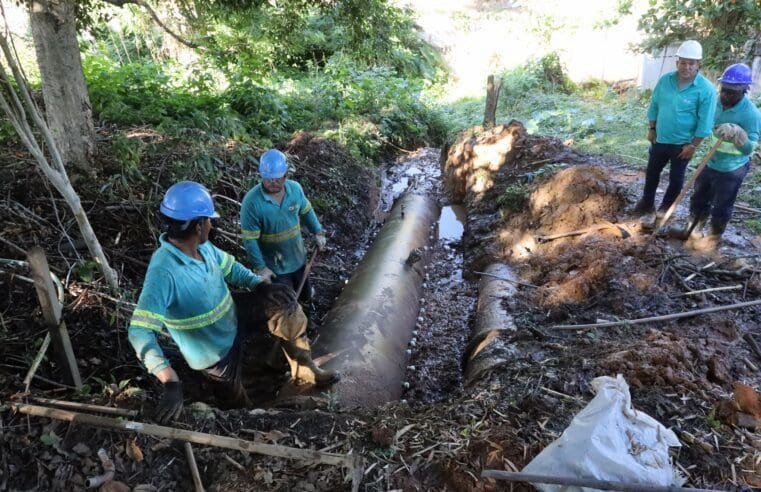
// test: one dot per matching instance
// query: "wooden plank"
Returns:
(51, 311)
(308, 456)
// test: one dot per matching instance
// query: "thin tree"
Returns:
(17, 104)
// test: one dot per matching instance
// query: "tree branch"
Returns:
(157, 20)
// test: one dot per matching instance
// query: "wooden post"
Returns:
(51, 311)
(492, 97)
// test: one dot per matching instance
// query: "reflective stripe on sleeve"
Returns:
(227, 264)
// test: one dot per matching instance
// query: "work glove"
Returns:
(266, 274)
(170, 406)
(321, 240)
(732, 133)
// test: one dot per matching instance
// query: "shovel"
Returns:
(660, 223)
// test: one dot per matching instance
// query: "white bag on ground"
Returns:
(609, 440)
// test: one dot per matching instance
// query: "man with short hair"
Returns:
(680, 117)
(271, 216)
(738, 124)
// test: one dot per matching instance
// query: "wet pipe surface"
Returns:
(371, 323)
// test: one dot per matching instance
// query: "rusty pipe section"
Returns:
(366, 334)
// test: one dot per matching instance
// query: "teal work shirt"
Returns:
(271, 233)
(191, 300)
(729, 157)
(682, 114)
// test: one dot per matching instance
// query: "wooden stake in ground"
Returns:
(659, 225)
(51, 310)
(492, 97)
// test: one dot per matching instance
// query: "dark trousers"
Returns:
(715, 193)
(660, 155)
(293, 280)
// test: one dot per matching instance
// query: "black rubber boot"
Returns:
(643, 208)
(692, 230)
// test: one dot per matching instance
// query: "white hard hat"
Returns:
(690, 49)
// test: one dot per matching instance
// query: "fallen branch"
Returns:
(197, 484)
(753, 345)
(73, 405)
(583, 482)
(36, 363)
(704, 291)
(307, 455)
(746, 208)
(666, 317)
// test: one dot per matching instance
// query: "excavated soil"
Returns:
(517, 189)
(679, 371)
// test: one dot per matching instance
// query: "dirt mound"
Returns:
(338, 185)
(666, 359)
(594, 267)
(472, 166)
(575, 197)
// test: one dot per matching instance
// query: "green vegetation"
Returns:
(724, 28)
(594, 116)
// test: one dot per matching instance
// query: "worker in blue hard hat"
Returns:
(271, 217)
(738, 124)
(680, 117)
(185, 291)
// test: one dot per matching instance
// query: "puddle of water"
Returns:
(452, 223)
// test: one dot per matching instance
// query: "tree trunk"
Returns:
(492, 97)
(67, 105)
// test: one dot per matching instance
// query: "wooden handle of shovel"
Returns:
(687, 187)
(306, 273)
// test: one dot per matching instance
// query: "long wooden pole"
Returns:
(73, 405)
(307, 455)
(666, 317)
(688, 186)
(584, 482)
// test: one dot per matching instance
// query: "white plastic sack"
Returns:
(609, 440)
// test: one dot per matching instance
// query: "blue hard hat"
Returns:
(737, 74)
(188, 200)
(273, 164)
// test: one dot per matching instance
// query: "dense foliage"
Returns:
(269, 69)
(728, 30)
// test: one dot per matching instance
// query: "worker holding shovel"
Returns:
(738, 124)
(186, 292)
(271, 216)
(680, 116)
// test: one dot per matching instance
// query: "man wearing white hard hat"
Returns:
(680, 116)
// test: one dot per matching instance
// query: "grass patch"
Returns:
(595, 117)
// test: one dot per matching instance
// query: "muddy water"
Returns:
(442, 330)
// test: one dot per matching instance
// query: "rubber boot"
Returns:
(692, 230)
(303, 368)
(711, 241)
(643, 208)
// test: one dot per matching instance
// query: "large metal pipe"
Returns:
(370, 326)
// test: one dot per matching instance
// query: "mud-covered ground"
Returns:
(515, 188)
